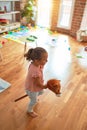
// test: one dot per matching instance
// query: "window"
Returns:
(66, 12)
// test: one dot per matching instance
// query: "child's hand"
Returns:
(45, 86)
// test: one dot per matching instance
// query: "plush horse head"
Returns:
(54, 86)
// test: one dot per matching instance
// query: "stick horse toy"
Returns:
(52, 84)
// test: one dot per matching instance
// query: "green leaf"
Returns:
(29, 8)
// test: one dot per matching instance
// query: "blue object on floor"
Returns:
(4, 85)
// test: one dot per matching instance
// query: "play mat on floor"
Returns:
(4, 85)
(24, 34)
(18, 35)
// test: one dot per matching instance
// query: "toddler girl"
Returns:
(34, 83)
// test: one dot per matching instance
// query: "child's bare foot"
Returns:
(33, 114)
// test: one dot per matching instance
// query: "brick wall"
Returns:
(77, 17)
(76, 20)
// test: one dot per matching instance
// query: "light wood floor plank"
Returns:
(67, 112)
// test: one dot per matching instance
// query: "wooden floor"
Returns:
(68, 62)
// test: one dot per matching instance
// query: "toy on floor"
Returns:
(49, 31)
(85, 48)
(69, 48)
(0, 45)
(78, 56)
(31, 38)
(2, 42)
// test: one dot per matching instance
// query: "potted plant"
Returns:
(28, 14)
